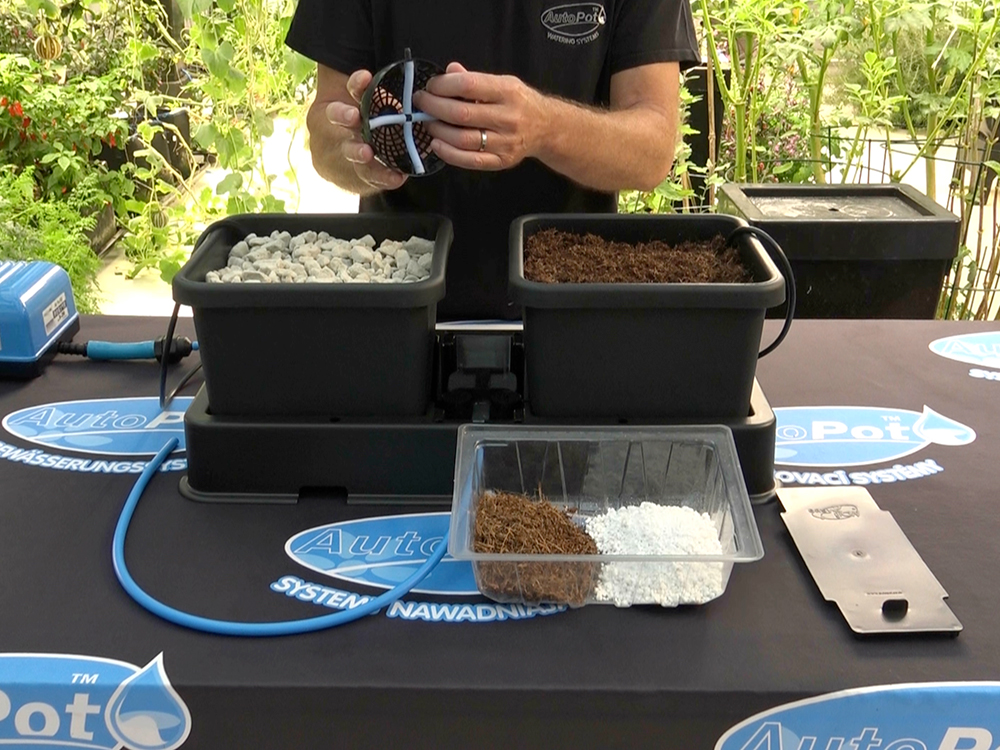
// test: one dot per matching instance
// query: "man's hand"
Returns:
(630, 145)
(511, 116)
(339, 153)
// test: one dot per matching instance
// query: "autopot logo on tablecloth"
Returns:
(928, 716)
(384, 551)
(57, 701)
(981, 349)
(576, 23)
(841, 437)
(115, 427)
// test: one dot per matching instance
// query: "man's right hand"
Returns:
(338, 150)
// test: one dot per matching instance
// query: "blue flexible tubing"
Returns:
(114, 350)
(247, 629)
(107, 350)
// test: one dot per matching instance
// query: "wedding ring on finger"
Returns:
(482, 140)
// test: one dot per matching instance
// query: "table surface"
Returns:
(581, 677)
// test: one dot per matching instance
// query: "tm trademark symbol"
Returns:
(84, 679)
(890, 419)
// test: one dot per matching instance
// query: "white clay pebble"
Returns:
(318, 258)
(652, 529)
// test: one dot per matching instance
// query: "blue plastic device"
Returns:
(37, 312)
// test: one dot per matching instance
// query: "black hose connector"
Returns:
(180, 347)
(72, 347)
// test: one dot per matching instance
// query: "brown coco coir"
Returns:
(554, 256)
(509, 523)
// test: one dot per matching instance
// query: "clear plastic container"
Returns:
(592, 469)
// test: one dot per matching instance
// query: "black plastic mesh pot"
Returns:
(389, 96)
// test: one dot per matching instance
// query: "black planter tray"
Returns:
(343, 349)
(857, 251)
(268, 459)
(649, 349)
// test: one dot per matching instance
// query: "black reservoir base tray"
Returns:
(271, 460)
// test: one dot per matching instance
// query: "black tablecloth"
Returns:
(594, 677)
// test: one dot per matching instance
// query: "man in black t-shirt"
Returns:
(545, 107)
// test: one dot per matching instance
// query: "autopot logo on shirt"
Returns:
(838, 437)
(58, 701)
(981, 349)
(576, 23)
(929, 716)
(384, 551)
(114, 427)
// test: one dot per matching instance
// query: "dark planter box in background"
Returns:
(174, 147)
(857, 251)
(104, 229)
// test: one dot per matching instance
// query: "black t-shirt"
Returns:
(569, 50)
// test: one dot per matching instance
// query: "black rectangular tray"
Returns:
(248, 460)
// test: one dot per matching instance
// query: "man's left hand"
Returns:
(484, 122)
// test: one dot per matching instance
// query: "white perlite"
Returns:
(651, 529)
(318, 258)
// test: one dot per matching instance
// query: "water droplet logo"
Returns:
(938, 429)
(836, 436)
(575, 20)
(67, 700)
(145, 712)
(106, 427)
(974, 348)
(916, 716)
(383, 551)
